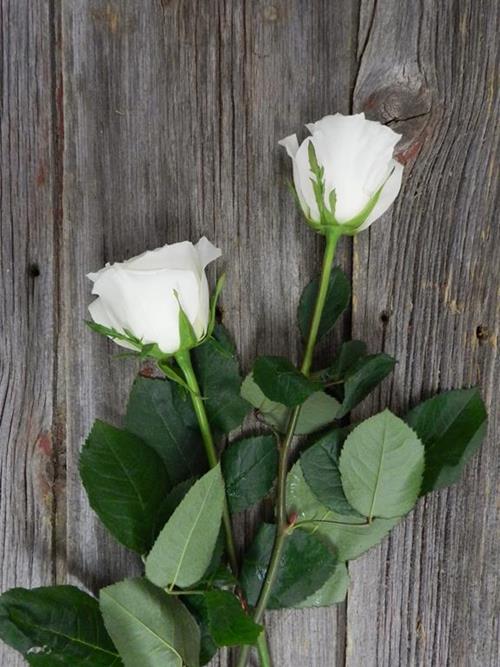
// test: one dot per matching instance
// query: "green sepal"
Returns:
(152, 351)
(328, 221)
(332, 197)
(213, 304)
(114, 334)
(351, 227)
(318, 184)
(143, 351)
(171, 374)
(187, 335)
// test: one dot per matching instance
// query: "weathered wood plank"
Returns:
(172, 116)
(292, 63)
(171, 111)
(423, 292)
(29, 450)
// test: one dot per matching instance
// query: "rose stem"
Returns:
(184, 360)
(332, 237)
(263, 650)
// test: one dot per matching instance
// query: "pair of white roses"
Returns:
(345, 176)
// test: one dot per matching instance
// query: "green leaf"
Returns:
(228, 624)
(170, 502)
(149, 627)
(451, 425)
(350, 353)
(349, 540)
(214, 567)
(184, 548)
(160, 413)
(56, 625)
(363, 378)
(208, 647)
(280, 381)
(381, 465)
(317, 411)
(333, 590)
(320, 465)
(249, 468)
(125, 481)
(306, 564)
(219, 376)
(337, 300)
(222, 577)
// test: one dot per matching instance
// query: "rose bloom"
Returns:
(142, 295)
(357, 157)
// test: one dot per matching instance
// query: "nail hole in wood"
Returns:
(482, 333)
(385, 317)
(33, 271)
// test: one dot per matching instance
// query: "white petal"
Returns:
(332, 121)
(101, 316)
(387, 196)
(300, 180)
(200, 324)
(355, 153)
(291, 144)
(207, 252)
(302, 176)
(145, 304)
(174, 256)
(95, 275)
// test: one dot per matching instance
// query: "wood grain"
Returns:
(425, 290)
(126, 125)
(31, 483)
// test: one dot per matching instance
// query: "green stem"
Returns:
(282, 527)
(337, 523)
(263, 650)
(331, 244)
(184, 360)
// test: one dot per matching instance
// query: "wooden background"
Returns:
(129, 123)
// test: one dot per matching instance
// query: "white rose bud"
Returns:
(352, 158)
(142, 296)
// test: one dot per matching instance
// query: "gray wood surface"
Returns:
(128, 124)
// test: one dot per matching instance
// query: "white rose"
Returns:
(142, 294)
(357, 157)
